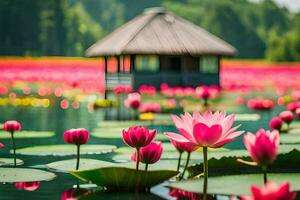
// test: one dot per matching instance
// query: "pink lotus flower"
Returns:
(263, 146)
(287, 116)
(76, 136)
(293, 106)
(205, 130)
(150, 107)
(1, 145)
(298, 113)
(271, 191)
(276, 123)
(122, 89)
(138, 136)
(28, 186)
(133, 100)
(260, 104)
(149, 154)
(184, 146)
(12, 126)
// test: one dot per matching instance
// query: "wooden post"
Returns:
(105, 77)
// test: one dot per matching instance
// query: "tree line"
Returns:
(69, 27)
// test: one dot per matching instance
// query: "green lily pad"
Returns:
(65, 149)
(123, 178)
(247, 117)
(10, 162)
(239, 184)
(125, 124)
(69, 165)
(116, 133)
(11, 175)
(27, 134)
(230, 165)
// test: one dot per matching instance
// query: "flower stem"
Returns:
(265, 169)
(146, 167)
(78, 157)
(13, 147)
(137, 158)
(186, 164)
(205, 171)
(179, 161)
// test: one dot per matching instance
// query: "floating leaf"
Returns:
(123, 178)
(239, 184)
(120, 196)
(230, 165)
(9, 162)
(11, 175)
(65, 149)
(69, 165)
(27, 134)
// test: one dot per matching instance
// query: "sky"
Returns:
(292, 5)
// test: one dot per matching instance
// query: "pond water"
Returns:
(58, 120)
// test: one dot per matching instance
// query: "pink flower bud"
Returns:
(271, 191)
(76, 136)
(287, 116)
(149, 154)
(12, 126)
(276, 123)
(263, 146)
(138, 136)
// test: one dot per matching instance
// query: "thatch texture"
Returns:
(157, 31)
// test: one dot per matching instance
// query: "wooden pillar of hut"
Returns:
(105, 75)
(132, 68)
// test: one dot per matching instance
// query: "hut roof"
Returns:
(157, 31)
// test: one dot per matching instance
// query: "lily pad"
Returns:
(230, 165)
(27, 134)
(11, 175)
(10, 162)
(65, 149)
(69, 165)
(123, 178)
(239, 184)
(116, 133)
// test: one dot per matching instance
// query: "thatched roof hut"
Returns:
(157, 31)
(177, 51)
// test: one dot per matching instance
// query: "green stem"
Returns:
(14, 148)
(137, 158)
(288, 128)
(186, 165)
(205, 171)
(265, 169)
(146, 167)
(179, 161)
(78, 157)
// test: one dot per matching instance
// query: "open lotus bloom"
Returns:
(263, 146)
(271, 191)
(138, 136)
(205, 130)
(149, 154)
(12, 126)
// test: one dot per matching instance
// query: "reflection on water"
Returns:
(184, 195)
(28, 186)
(75, 193)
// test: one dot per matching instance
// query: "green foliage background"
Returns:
(68, 27)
